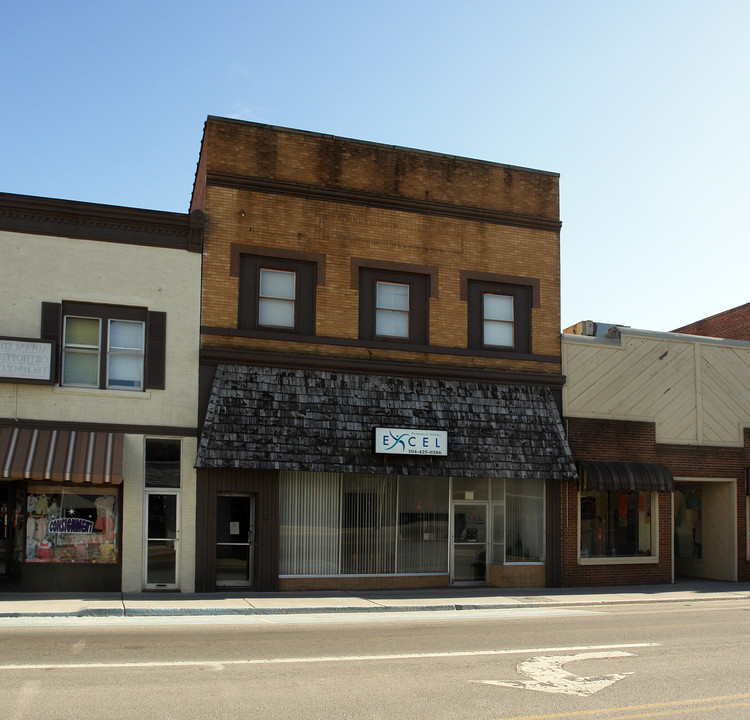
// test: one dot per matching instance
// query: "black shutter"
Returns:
(52, 330)
(156, 347)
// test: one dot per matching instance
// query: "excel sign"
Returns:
(401, 441)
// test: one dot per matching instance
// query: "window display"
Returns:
(616, 524)
(71, 525)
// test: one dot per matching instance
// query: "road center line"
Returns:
(332, 659)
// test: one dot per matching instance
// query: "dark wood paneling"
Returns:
(264, 484)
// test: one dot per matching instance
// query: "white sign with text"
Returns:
(402, 441)
(25, 360)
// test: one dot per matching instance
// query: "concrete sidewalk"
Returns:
(451, 598)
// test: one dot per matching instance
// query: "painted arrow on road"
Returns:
(548, 674)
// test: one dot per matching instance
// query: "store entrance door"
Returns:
(469, 542)
(235, 539)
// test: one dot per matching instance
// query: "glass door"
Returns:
(162, 539)
(235, 538)
(470, 542)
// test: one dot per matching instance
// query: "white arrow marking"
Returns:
(548, 675)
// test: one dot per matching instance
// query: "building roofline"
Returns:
(655, 335)
(398, 148)
(92, 221)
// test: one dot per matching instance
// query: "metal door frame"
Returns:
(250, 542)
(452, 539)
(176, 539)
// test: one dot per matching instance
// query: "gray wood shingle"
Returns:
(316, 420)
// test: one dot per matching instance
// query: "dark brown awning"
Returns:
(77, 456)
(624, 476)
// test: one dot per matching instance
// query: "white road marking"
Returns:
(219, 664)
(548, 675)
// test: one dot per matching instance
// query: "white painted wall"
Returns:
(36, 269)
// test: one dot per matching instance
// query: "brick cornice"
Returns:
(383, 202)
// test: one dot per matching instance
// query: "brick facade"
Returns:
(350, 210)
(383, 205)
(732, 324)
(624, 441)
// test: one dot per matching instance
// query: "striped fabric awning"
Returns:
(77, 456)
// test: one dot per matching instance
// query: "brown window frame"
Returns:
(419, 305)
(154, 351)
(522, 302)
(249, 294)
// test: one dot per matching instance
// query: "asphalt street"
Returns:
(679, 660)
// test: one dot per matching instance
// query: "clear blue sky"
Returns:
(641, 106)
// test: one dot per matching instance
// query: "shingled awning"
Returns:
(78, 456)
(321, 421)
(625, 476)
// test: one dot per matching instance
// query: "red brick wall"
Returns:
(732, 324)
(622, 441)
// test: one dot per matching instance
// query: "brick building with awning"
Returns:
(380, 366)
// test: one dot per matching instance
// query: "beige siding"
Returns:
(695, 391)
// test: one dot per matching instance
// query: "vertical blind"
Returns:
(341, 524)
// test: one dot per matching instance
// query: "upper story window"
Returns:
(499, 316)
(392, 310)
(277, 298)
(394, 306)
(107, 346)
(498, 326)
(276, 295)
(103, 352)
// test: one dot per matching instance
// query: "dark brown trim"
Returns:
(476, 292)
(356, 264)
(236, 250)
(155, 430)
(381, 345)
(214, 356)
(533, 283)
(108, 223)
(383, 202)
(264, 484)
(419, 307)
(249, 295)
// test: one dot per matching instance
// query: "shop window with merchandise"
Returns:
(69, 525)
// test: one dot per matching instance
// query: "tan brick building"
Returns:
(380, 365)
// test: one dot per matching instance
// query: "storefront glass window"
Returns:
(334, 524)
(616, 524)
(422, 524)
(71, 525)
(524, 521)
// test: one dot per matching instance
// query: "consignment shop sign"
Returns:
(403, 441)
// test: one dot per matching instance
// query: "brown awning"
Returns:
(77, 456)
(624, 476)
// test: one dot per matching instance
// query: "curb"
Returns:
(216, 611)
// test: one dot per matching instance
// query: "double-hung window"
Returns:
(277, 298)
(392, 309)
(103, 352)
(394, 306)
(498, 320)
(107, 346)
(276, 295)
(499, 316)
